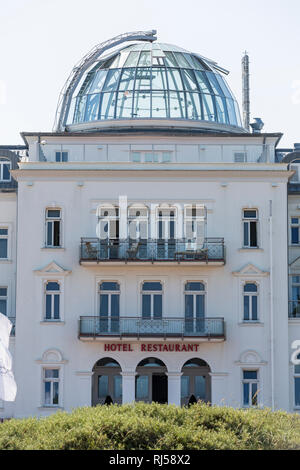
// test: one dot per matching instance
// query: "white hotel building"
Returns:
(143, 249)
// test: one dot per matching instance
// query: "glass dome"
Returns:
(153, 81)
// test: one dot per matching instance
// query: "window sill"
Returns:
(52, 322)
(251, 323)
(295, 245)
(248, 249)
(6, 260)
(52, 248)
(50, 407)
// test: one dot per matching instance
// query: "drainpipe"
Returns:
(271, 306)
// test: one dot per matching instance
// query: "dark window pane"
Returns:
(104, 305)
(254, 394)
(200, 306)
(115, 305)
(195, 286)
(189, 306)
(249, 214)
(157, 313)
(3, 248)
(56, 234)
(146, 306)
(55, 393)
(109, 286)
(48, 306)
(6, 174)
(154, 286)
(250, 288)
(297, 391)
(102, 386)
(295, 235)
(56, 306)
(246, 233)
(52, 286)
(3, 306)
(253, 234)
(246, 308)
(246, 394)
(53, 213)
(250, 374)
(254, 308)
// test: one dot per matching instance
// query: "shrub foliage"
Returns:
(154, 427)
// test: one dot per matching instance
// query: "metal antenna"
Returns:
(246, 91)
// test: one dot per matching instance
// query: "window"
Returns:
(295, 177)
(152, 156)
(195, 223)
(3, 243)
(102, 386)
(152, 300)
(240, 157)
(297, 383)
(61, 156)
(3, 300)
(295, 225)
(108, 220)
(250, 302)
(109, 293)
(52, 296)
(294, 304)
(138, 223)
(194, 306)
(250, 387)
(51, 387)
(5, 166)
(142, 387)
(250, 221)
(53, 227)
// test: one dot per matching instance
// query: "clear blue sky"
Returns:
(41, 40)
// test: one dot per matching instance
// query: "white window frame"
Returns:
(5, 237)
(251, 382)
(251, 295)
(143, 156)
(3, 162)
(152, 293)
(61, 152)
(166, 219)
(52, 294)
(194, 294)
(52, 381)
(109, 318)
(109, 218)
(248, 220)
(53, 219)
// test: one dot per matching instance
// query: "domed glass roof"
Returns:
(153, 81)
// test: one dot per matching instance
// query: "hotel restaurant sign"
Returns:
(150, 347)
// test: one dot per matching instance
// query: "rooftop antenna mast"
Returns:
(246, 91)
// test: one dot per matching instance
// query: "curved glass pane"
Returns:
(153, 81)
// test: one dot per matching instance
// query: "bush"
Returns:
(154, 427)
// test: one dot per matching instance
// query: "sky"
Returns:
(41, 41)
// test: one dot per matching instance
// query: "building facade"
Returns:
(151, 236)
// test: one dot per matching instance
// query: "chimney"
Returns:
(246, 91)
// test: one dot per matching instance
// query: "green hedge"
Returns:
(159, 427)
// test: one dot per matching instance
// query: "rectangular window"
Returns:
(109, 306)
(250, 387)
(3, 300)
(53, 227)
(51, 387)
(240, 157)
(294, 303)
(61, 156)
(295, 225)
(159, 156)
(5, 167)
(3, 243)
(250, 302)
(52, 299)
(250, 222)
(152, 300)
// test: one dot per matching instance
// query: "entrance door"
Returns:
(160, 388)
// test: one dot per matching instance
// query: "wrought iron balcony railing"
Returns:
(294, 309)
(151, 327)
(180, 250)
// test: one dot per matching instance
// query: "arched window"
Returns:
(194, 305)
(5, 166)
(52, 300)
(250, 302)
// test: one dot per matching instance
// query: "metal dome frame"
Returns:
(65, 96)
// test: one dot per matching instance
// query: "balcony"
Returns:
(163, 328)
(94, 251)
(294, 309)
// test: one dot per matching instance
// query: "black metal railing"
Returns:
(294, 309)
(94, 249)
(151, 327)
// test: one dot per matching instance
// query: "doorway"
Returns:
(106, 382)
(159, 388)
(151, 383)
